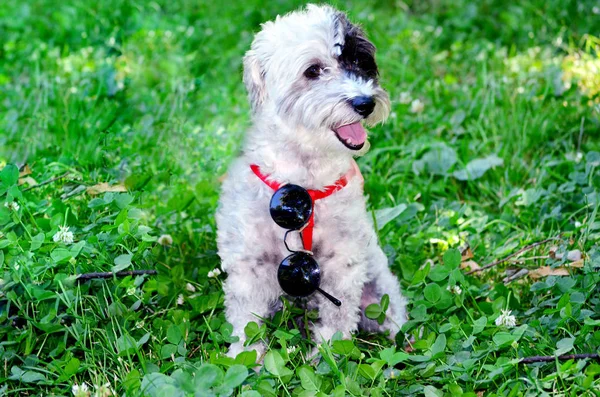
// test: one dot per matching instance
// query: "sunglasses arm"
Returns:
(333, 300)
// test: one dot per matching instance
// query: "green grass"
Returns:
(149, 94)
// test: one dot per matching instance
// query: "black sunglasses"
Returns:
(299, 274)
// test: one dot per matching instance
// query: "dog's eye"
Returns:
(313, 72)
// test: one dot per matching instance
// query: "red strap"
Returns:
(307, 232)
(272, 184)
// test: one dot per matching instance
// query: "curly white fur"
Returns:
(293, 141)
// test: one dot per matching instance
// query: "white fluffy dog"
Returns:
(312, 80)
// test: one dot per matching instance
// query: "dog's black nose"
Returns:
(363, 105)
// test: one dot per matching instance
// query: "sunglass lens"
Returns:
(299, 274)
(291, 207)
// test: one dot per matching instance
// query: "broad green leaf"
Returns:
(251, 329)
(122, 262)
(589, 321)
(125, 343)
(14, 193)
(455, 390)
(439, 273)
(250, 393)
(367, 371)
(452, 258)
(439, 345)
(76, 248)
(308, 379)
(530, 197)
(71, 368)
(438, 160)
(156, 384)
(391, 357)
(386, 215)
(32, 377)
(339, 391)
(420, 274)
(174, 334)
(59, 255)
(123, 200)
(247, 358)
(373, 311)
(207, 376)
(353, 386)
(479, 325)
(385, 302)
(432, 292)
(344, 347)
(168, 350)
(37, 241)
(96, 202)
(265, 389)
(564, 345)
(275, 365)
(504, 338)
(476, 168)
(9, 175)
(235, 376)
(431, 391)
(143, 339)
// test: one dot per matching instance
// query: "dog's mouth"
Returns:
(353, 136)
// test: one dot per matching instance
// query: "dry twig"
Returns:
(545, 359)
(124, 273)
(506, 258)
(516, 275)
(47, 182)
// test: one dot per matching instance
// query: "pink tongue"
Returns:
(354, 133)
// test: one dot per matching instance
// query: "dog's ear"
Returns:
(254, 79)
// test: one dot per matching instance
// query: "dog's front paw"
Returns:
(238, 347)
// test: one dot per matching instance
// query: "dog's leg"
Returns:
(346, 285)
(382, 281)
(247, 298)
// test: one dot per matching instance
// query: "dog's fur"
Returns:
(292, 140)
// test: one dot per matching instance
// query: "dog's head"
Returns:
(316, 72)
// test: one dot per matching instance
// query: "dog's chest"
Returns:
(341, 226)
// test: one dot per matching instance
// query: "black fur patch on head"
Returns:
(358, 53)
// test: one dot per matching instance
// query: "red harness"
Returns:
(307, 231)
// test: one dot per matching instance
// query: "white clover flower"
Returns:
(214, 273)
(190, 287)
(455, 289)
(405, 98)
(506, 319)
(63, 235)
(165, 240)
(80, 390)
(291, 349)
(417, 106)
(104, 391)
(180, 299)
(12, 206)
